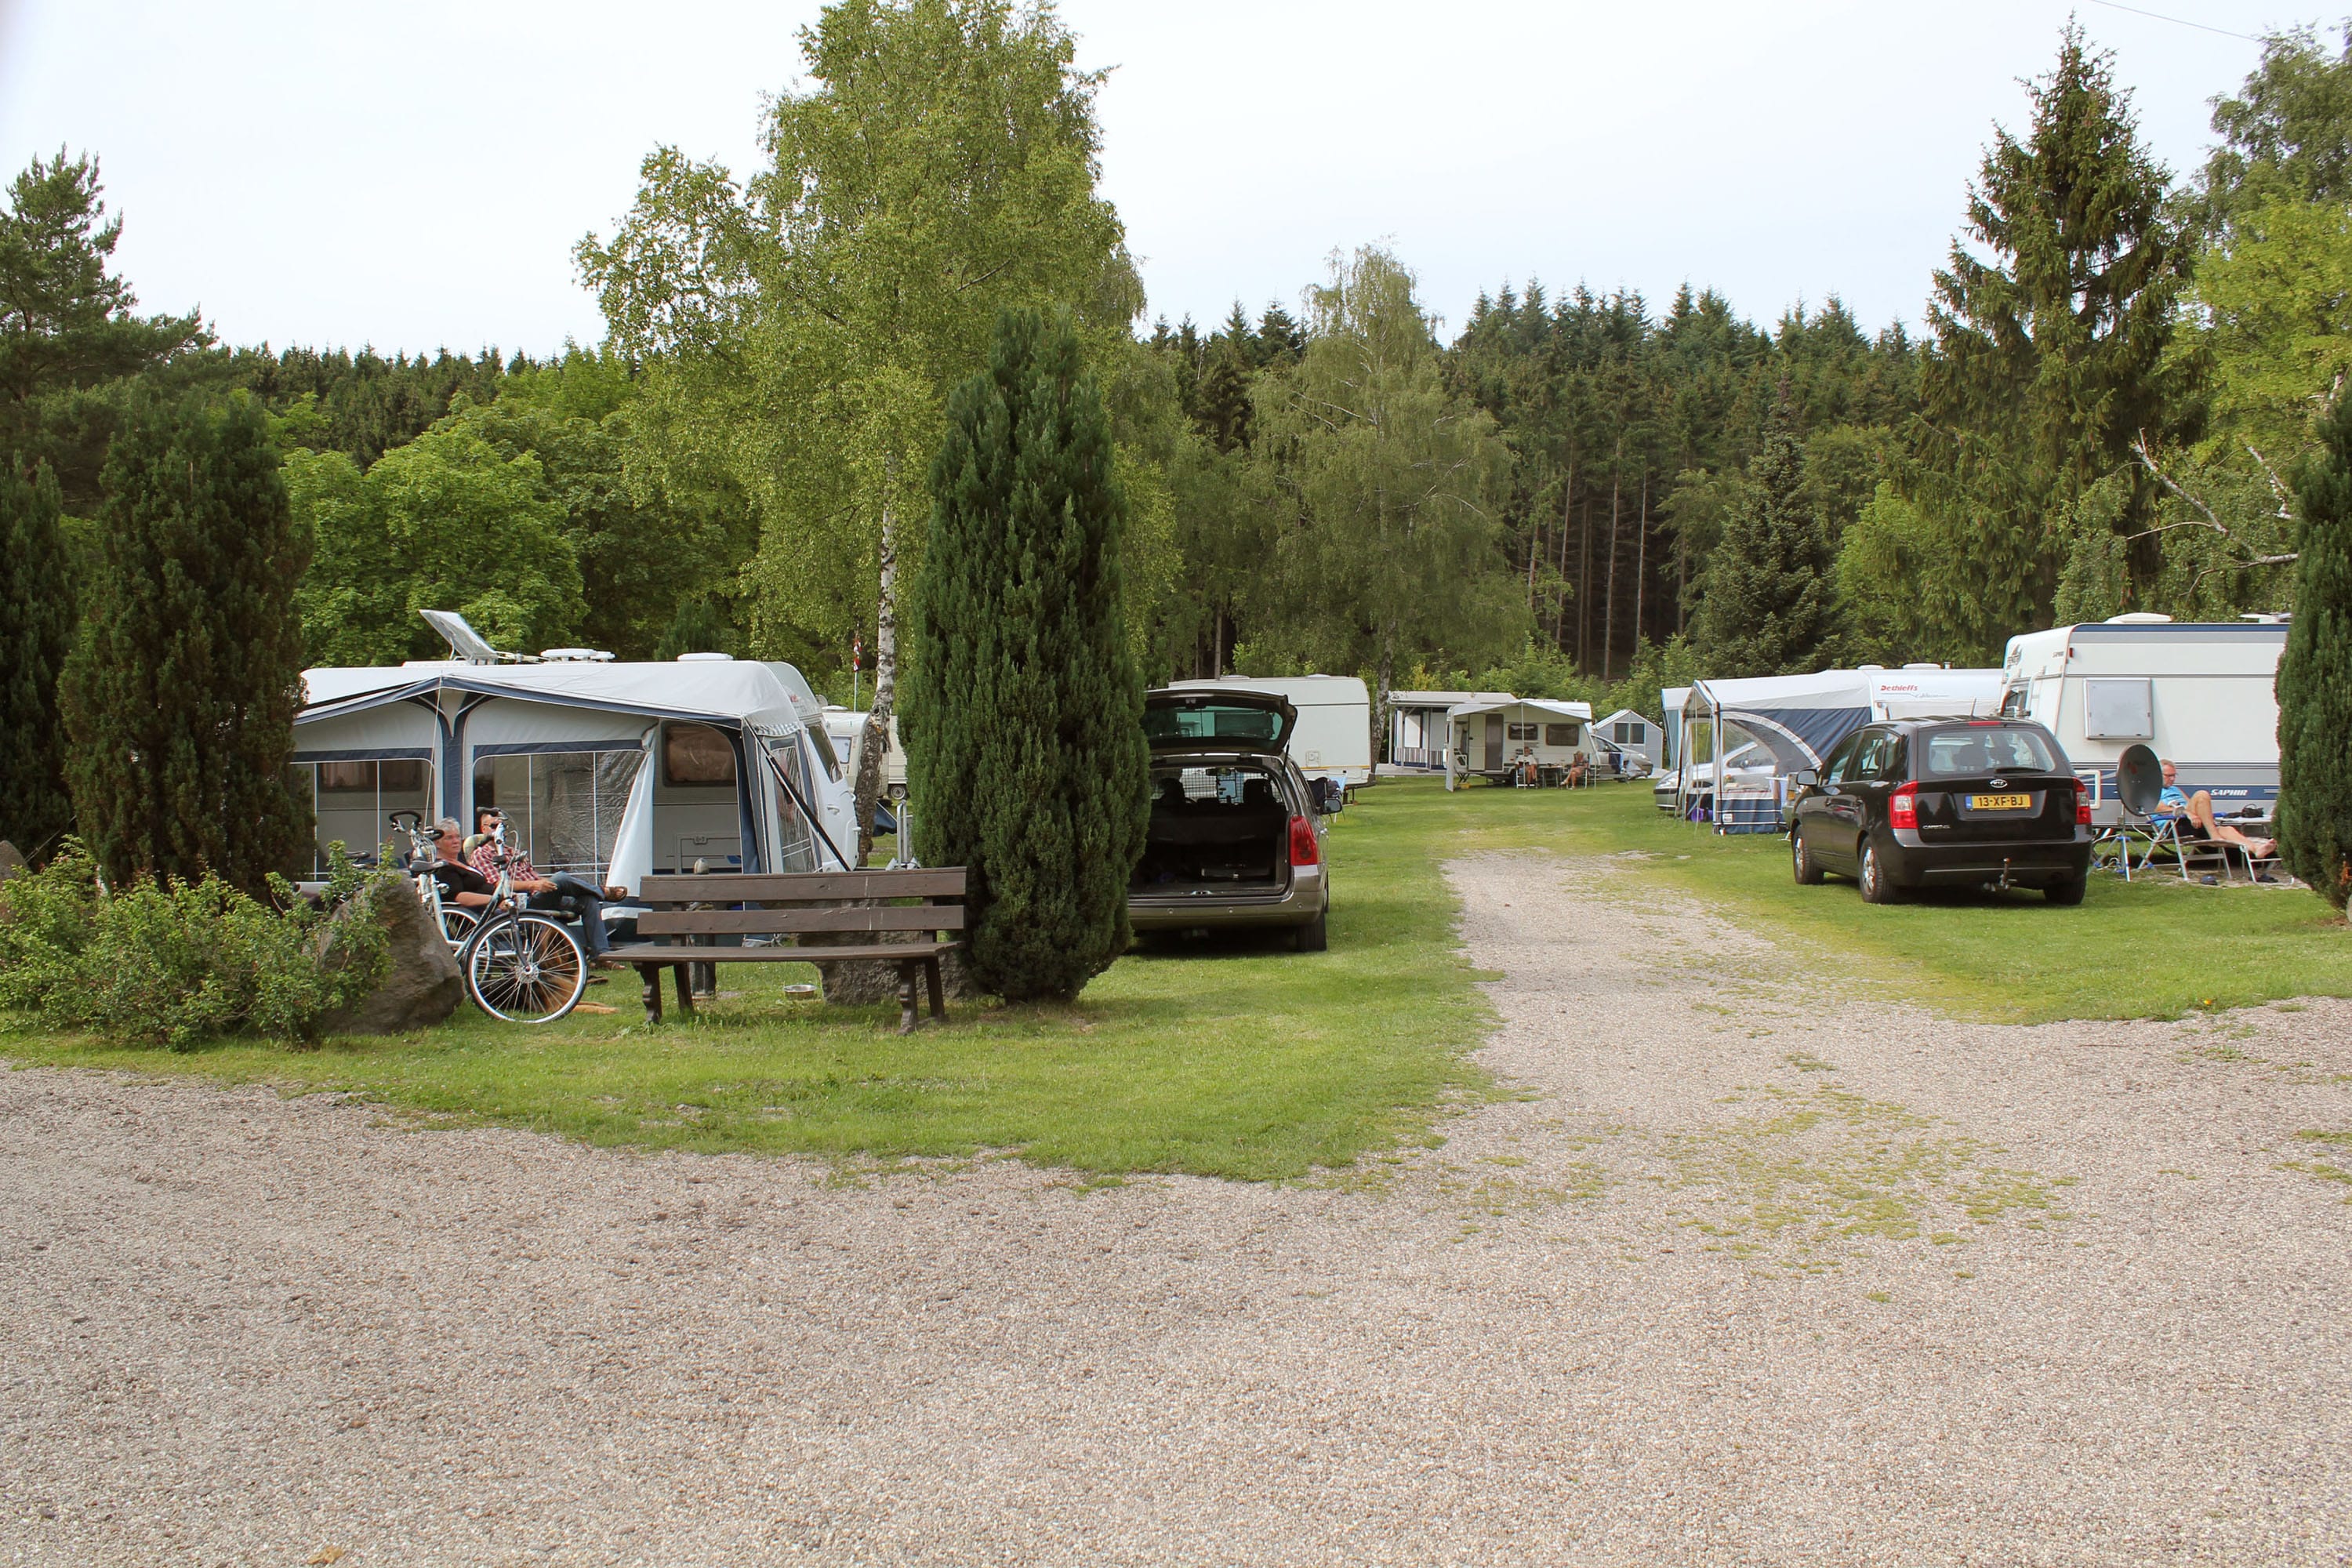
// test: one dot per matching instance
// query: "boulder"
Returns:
(864, 981)
(11, 862)
(421, 985)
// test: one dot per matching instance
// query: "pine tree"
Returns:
(2050, 355)
(1767, 605)
(181, 692)
(1023, 721)
(2314, 676)
(36, 606)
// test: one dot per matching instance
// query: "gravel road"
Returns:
(1749, 1274)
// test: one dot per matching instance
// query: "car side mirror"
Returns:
(1804, 779)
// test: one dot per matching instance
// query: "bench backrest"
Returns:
(814, 901)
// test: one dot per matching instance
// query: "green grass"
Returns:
(2156, 947)
(1240, 1061)
(1256, 1063)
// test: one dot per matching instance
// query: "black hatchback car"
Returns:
(1944, 801)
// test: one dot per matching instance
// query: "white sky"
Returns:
(414, 175)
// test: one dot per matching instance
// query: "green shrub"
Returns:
(175, 963)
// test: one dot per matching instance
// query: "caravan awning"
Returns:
(1797, 718)
(736, 694)
(1581, 711)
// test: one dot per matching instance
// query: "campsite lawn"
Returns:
(1248, 1061)
(2156, 947)
(1240, 1060)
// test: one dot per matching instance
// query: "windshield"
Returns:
(1250, 728)
(1989, 749)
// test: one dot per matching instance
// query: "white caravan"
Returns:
(1333, 737)
(607, 770)
(2202, 694)
(847, 726)
(1492, 736)
(1417, 726)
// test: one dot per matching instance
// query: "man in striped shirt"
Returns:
(563, 891)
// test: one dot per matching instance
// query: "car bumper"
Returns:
(1296, 905)
(2033, 863)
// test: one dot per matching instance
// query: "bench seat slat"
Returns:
(663, 956)
(887, 917)
(763, 887)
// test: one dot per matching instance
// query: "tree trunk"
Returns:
(1641, 561)
(1583, 587)
(1609, 603)
(1380, 707)
(1567, 503)
(872, 752)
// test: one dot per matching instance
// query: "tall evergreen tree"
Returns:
(1766, 607)
(36, 606)
(2049, 355)
(181, 692)
(1023, 717)
(2314, 676)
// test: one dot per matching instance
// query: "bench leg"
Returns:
(939, 991)
(685, 987)
(650, 973)
(907, 996)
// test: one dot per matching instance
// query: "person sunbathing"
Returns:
(2196, 811)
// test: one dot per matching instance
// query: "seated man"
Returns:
(562, 891)
(2195, 814)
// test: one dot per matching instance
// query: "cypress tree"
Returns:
(2315, 676)
(1023, 718)
(181, 692)
(36, 607)
(1766, 607)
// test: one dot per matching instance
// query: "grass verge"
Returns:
(1239, 1060)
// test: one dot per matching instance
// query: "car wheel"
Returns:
(1313, 937)
(1801, 862)
(1875, 887)
(2067, 891)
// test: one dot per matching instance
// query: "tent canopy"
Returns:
(1495, 703)
(1801, 718)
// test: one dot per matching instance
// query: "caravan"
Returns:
(609, 771)
(1417, 726)
(2201, 694)
(1333, 736)
(1494, 737)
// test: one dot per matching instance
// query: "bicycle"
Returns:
(519, 965)
(457, 922)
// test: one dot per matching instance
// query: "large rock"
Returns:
(11, 862)
(861, 981)
(421, 985)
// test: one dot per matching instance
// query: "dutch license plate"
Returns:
(2001, 802)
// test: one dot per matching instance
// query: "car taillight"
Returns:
(2082, 809)
(1903, 807)
(1304, 850)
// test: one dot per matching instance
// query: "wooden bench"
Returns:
(691, 909)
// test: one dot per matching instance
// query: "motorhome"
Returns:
(1333, 737)
(604, 769)
(2201, 694)
(1492, 737)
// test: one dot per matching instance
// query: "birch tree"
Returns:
(937, 164)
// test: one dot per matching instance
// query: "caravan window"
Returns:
(696, 755)
(563, 808)
(821, 744)
(352, 802)
(1560, 734)
(1523, 731)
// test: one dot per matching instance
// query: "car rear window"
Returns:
(1988, 749)
(1250, 726)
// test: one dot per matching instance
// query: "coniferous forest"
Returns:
(2116, 383)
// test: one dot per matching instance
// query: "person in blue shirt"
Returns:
(2196, 811)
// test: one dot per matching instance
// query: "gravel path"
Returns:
(1748, 1275)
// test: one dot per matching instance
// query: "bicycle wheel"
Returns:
(525, 970)
(457, 924)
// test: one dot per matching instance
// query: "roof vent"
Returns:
(2139, 618)
(702, 657)
(575, 656)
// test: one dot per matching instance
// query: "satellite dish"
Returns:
(463, 640)
(2139, 780)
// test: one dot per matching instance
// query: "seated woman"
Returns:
(2195, 814)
